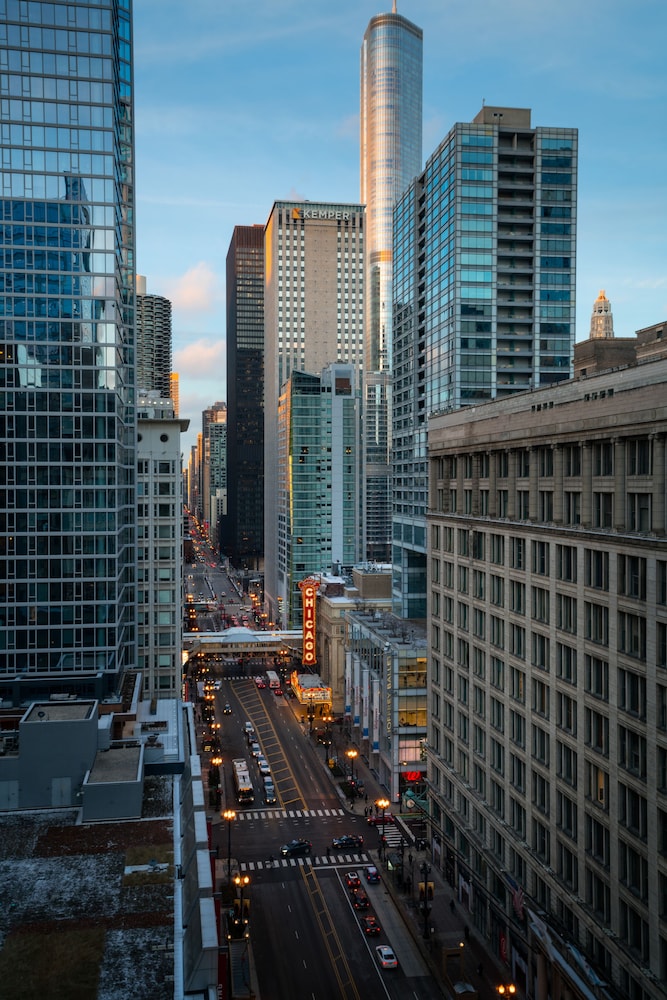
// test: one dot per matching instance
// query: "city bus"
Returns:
(272, 679)
(242, 782)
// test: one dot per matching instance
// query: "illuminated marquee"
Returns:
(308, 588)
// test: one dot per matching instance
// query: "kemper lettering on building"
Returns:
(308, 588)
(321, 213)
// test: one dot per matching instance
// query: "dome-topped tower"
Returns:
(602, 319)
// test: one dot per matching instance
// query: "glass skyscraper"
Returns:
(67, 410)
(484, 295)
(391, 155)
(242, 528)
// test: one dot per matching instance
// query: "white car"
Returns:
(386, 957)
(265, 770)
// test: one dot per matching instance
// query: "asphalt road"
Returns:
(307, 942)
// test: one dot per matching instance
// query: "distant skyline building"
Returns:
(319, 480)
(313, 317)
(602, 319)
(160, 547)
(67, 363)
(484, 296)
(390, 156)
(242, 527)
(153, 341)
(213, 469)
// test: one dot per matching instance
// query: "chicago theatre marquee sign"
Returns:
(309, 588)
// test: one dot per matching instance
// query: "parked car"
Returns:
(347, 840)
(370, 925)
(386, 957)
(296, 848)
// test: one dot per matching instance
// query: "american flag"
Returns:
(518, 901)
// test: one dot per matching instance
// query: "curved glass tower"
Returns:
(391, 151)
(67, 410)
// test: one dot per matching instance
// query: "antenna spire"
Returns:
(393, 9)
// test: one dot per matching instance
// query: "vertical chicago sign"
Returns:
(309, 588)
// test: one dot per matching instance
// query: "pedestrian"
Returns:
(366, 811)
(328, 853)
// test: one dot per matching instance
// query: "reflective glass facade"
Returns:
(242, 528)
(484, 295)
(391, 155)
(67, 417)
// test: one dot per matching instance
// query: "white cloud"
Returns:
(195, 291)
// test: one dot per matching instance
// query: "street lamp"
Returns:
(241, 882)
(352, 754)
(506, 989)
(230, 816)
(425, 870)
(382, 804)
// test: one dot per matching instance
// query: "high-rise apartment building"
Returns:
(319, 495)
(313, 317)
(484, 295)
(547, 744)
(67, 411)
(391, 155)
(159, 546)
(153, 342)
(242, 528)
(213, 466)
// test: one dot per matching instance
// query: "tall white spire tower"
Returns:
(602, 320)
(391, 155)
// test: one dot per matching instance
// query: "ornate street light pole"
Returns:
(230, 816)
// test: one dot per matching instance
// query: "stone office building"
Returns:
(547, 742)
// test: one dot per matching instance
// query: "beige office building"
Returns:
(313, 316)
(547, 743)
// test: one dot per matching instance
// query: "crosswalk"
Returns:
(250, 814)
(333, 861)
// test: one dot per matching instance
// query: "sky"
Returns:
(239, 103)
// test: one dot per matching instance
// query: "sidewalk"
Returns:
(451, 948)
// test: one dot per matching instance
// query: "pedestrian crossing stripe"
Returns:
(245, 814)
(333, 861)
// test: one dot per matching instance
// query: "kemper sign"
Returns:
(321, 213)
(308, 588)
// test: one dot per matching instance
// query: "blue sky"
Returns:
(240, 103)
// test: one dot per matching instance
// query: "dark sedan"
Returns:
(295, 848)
(347, 840)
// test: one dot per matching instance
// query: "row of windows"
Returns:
(638, 452)
(631, 575)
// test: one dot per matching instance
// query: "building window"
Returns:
(566, 563)
(540, 558)
(545, 462)
(632, 693)
(639, 457)
(545, 505)
(603, 458)
(566, 663)
(541, 745)
(596, 565)
(566, 613)
(518, 729)
(497, 591)
(519, 554)
(541, 793)
(632, 811)
(517, 685)
(566, 718)
(566, 763)
(572, 507)
(517, 597)
(632, 576)
(639, 512)
(603, 510)
(541, 605)
(597, 677)
(597, 841)
(596, 731)
(632, 752)
(498, 549)
(597, 623)
(632, 635)
(541, 841)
